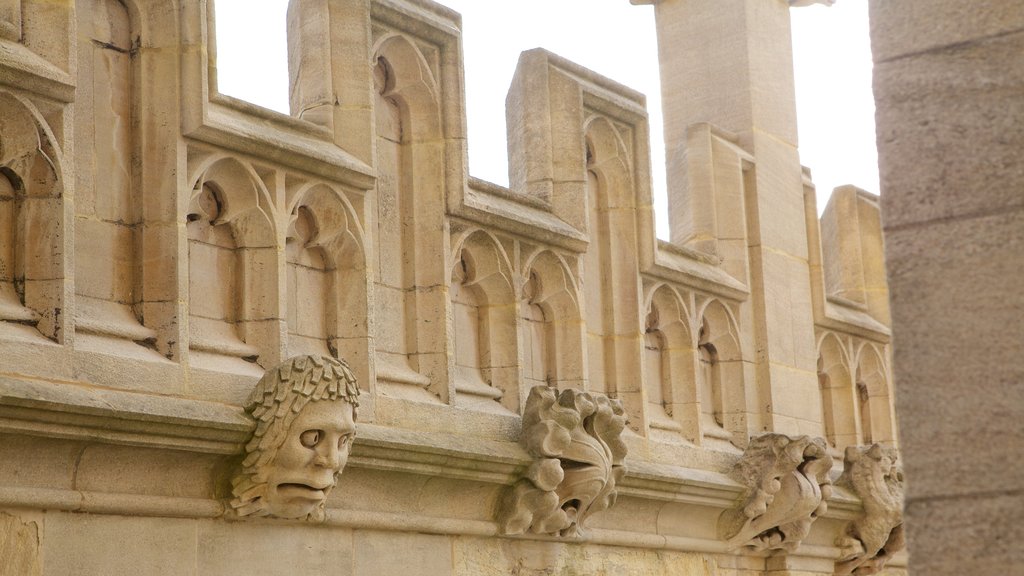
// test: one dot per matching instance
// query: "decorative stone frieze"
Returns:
(574, 438)
(871, 540)
(787, 482)
(305, 412)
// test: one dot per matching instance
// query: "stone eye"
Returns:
(310, 438)
(344, 441)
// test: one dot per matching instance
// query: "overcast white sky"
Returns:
(832, 61)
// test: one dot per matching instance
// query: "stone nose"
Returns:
(328, 455)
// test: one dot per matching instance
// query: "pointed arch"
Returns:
(874, 401)
(608, 159)
(325, 257)
(483, 333)
(838, 402)
(31, 223)
(411, 268)
(612, 292)
(231, 243)
(669, 371)
(409, 83)
(721, 389)
(551, 332)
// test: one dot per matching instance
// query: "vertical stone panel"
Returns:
(948, 78)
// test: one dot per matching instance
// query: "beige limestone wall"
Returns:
(61, 544)
(162, 245)
(948, 83)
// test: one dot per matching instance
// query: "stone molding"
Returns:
(70, 411)
(787, 483)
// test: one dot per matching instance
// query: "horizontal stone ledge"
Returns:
(84, 413)
(23, 69)
(197, 508)
(76, 412)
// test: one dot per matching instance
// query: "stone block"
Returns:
(915, 26)
(162, 248)
(979, 535)
(401, 554)
(244, 549)
(127, 470)
(104, 260)
(32, 462)
(89, 545)
(957, 334)
(950, 131)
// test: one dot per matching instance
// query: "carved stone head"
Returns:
(305, 411)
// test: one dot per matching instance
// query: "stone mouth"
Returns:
(299, 490)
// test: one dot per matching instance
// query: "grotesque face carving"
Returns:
(305, 411)
(314, 452)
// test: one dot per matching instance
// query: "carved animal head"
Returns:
(787, 482)
(575, 438)
(873, 472)
(305, 412)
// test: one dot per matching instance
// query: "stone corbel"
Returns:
(787, 482)
(871, 540)
(574, 438)
(305, 412)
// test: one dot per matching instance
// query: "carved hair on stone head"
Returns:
(276, 402)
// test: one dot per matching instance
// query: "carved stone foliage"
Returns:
(871, 540)
(575, 438)
(305, 412)
(787, 482)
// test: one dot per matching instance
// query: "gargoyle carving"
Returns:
(305, 412)
(871, 540)
(574, 437)
(787, 484)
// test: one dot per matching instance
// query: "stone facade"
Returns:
(543, 387)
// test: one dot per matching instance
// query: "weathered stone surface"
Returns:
(90, 544)
(929, 105)
(947, 81)
(19, 547)
(391, 554)
(905, 28)
(959, 407)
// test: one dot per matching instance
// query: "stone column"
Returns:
(948, 81)
(729, 63)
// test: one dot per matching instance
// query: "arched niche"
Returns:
(483, 327)
(108, 267)
(232, 252)
(838, 402)
(325, 285)
(409, 205)
(874, 404)
(550, 329)
(719, 372)
(611, 267)
(31, 224)
(668, 374)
